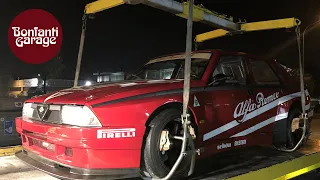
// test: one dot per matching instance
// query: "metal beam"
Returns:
(179, 9)
(248, 27)
(166, 5)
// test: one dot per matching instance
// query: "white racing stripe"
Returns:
(261, 125)
(220, 130)
(251, 115)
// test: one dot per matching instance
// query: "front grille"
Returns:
(52, 115)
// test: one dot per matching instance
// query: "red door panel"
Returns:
(266, 98)
(223, 99)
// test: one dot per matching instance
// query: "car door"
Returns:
(223, 100)
(266, 88)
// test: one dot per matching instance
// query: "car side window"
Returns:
(233, 68)
(263, 74)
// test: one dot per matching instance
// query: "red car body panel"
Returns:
(131, 104)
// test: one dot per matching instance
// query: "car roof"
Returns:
(220, 51)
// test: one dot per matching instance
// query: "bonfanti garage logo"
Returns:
(44, 37)
(35, 36)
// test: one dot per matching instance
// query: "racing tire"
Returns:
(294, 137)
(153, 163)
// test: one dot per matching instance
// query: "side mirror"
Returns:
(219, 79)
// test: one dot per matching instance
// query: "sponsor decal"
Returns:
(252, 115)
(247, 106)
(35, 36)
(224, 146)
(56, 95)
(195, 102)
(240, 142)
(8, 127)
(234, 144)
(116, 133)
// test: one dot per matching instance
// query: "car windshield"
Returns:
(172, 67)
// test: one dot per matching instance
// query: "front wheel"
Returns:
(160, 150)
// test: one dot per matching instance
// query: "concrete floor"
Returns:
(313, 144)
(13, 169)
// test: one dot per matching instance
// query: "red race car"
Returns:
(121, 129)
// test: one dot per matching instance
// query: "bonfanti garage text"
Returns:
(44, 37)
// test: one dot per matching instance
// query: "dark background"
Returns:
(122, 38)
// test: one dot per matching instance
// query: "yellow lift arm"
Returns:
(225, 24)
(248, 27)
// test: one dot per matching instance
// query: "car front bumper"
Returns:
(77, 153)
(63, 171)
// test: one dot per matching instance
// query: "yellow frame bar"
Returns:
(8, 151)
(285, 170)
(271, 24)
(211, 35)
(101, 5)
(247, 27)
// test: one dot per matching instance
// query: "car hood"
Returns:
(110, 91)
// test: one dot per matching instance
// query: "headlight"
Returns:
(27, 110)
(79, 116)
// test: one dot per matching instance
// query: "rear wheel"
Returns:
(161, 150)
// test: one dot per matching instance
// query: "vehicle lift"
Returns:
(226, 27)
